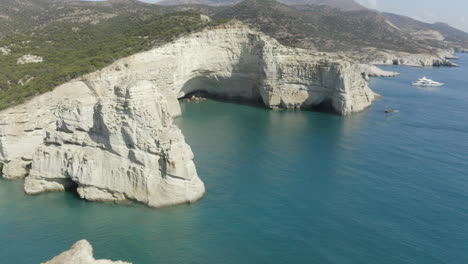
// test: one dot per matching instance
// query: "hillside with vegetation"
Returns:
(333, 25)
(324, 28)
(72, 48)
(346, 5)
(456, 38)
(73, 38)
(20, 15)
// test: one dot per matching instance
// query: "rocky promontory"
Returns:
(109, 135)
(368, 70)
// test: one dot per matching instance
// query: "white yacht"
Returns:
(426, 82)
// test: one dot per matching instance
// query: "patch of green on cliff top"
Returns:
(71, 49)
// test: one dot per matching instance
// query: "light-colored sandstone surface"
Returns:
(80, 253)
(110, 133)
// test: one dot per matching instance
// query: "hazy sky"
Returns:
(454, 12)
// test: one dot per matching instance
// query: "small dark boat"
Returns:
(389, 111)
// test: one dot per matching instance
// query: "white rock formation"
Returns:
(373, 56)
(234, 61)
(5, 51)
(80, 253)
(119, 146)
(374, 71)
(29, 59)
(110, 133)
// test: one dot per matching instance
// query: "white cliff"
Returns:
(80, 253)
(110, 134)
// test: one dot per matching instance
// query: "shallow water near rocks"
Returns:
(287, 187)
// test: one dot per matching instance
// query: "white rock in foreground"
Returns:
(110, 134)
(29, 59)
(117, 146)
(80, 253)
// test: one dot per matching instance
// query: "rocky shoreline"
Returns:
(461, 50)
(110, 136)
(368, 70)
(373, 56)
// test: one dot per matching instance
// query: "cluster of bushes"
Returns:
(73, 49)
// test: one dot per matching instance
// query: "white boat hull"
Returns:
(429, 85)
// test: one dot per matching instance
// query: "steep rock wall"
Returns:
(234, 61)
(110, 135)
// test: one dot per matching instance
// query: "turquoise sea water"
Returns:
(287, 187)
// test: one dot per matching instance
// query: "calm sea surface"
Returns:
(287, 187)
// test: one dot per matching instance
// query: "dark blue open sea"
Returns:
(287, 187)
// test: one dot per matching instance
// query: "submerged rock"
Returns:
(110, 134)
(80, 253)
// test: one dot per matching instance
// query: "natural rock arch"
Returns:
(111, 132)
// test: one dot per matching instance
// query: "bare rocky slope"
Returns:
(364, 35)
(437, 33)
(109, 135)
(343, 26)
(346, 5)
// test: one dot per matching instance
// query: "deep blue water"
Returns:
(287, 187)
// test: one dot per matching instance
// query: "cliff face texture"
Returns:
(110, 134)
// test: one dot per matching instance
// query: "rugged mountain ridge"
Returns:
(364, 35)
(438, 33)
(109, 135)
(342, 27)
(346, 5)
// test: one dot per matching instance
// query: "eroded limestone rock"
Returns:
(16, 169)
(118, 147)
(110, 135)
(374, 71)
(80, 253)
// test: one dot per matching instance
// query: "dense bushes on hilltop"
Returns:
(73, 49)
